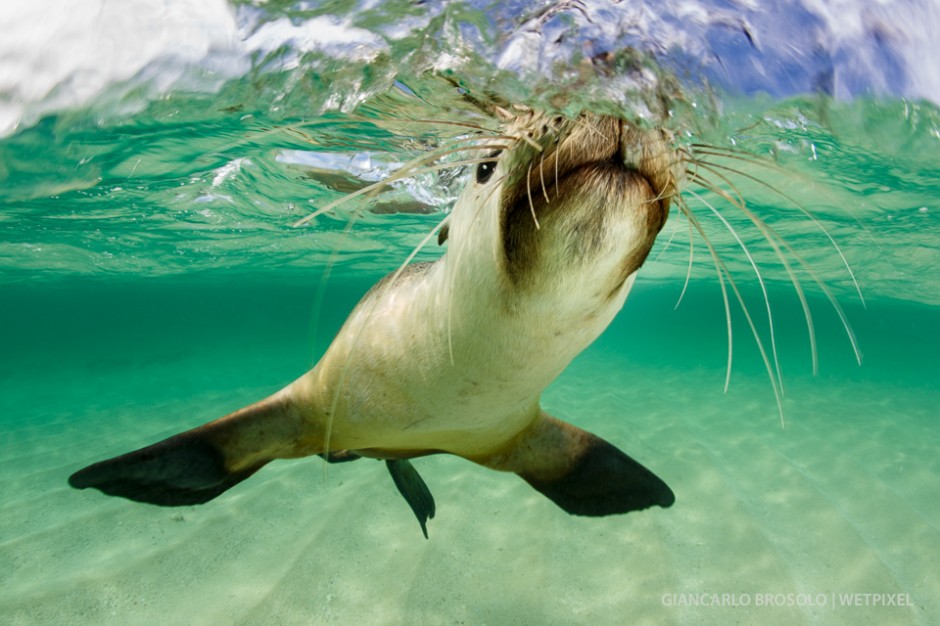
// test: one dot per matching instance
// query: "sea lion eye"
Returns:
(485, 170)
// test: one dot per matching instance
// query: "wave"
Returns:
(58, 55)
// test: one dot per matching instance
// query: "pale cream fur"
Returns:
(454, 358)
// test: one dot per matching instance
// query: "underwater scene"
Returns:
(194, 196)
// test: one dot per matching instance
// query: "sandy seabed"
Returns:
(831, 520)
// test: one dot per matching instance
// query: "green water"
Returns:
(151, 280)
(842, 500)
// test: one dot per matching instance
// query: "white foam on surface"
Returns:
(59, 54)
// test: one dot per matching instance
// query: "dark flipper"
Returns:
(604, 481)
(414, 490)
(580, 472)
(178, 471)
(196, 466)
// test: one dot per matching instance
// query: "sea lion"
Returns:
(452, 356)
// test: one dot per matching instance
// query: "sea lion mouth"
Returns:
(575, 185)
(590, 144)
(578, 222)
(604, 179)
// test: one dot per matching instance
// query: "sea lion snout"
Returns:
(585, 196)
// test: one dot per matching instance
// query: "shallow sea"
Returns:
(150, 280)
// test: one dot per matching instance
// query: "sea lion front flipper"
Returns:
(195, 466)
(178, 471)
(579, 471)
(413, 488)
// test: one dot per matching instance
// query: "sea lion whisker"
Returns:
(760, 281)
(583, 122)
(669, 187)
(714, 167)
(532, 142)
(722, 149)
(806, 212)
(737, 155)
(747, 316)
(542, 176)
(693, 222)
(410, 169)
(413, 167)
(766, 228)
(510, 138)
(297, 131)
(446, 150)
(668, 192)
(528, 190)
(692, 158)
(850, 333)
(672, 235)
(557, 188)
(525, 137)
(385, 182)
(688, 271)
(471, 126)
(751, 159)
(772, 237)
(475, 147)
(843, 318)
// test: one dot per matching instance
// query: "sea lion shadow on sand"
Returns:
(452, 356)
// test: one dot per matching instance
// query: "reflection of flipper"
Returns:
(414, 490)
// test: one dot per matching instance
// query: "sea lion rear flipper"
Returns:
(580, 472)
(413, 488)
(195, 466)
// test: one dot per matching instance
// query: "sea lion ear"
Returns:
(580, 472)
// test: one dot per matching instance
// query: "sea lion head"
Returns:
(572, 203)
